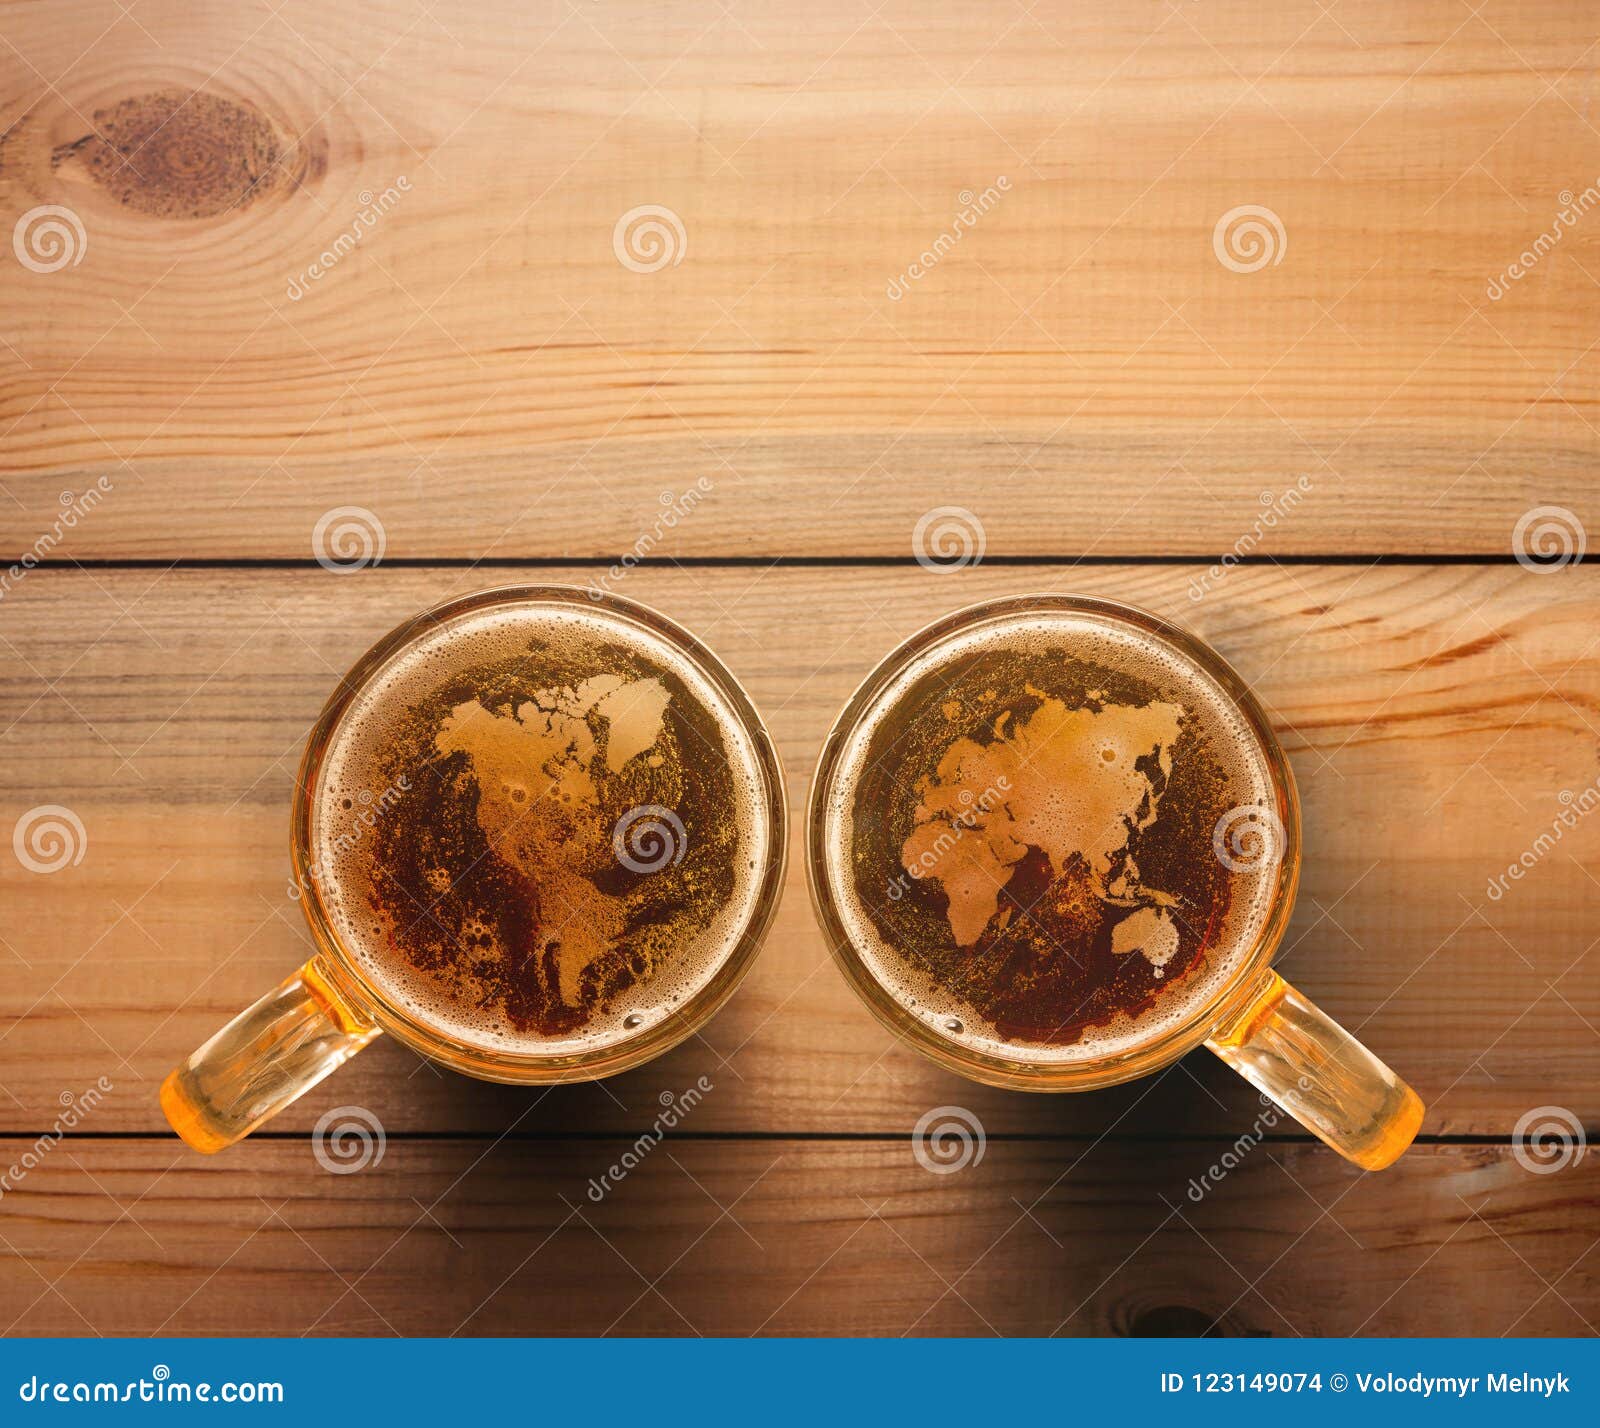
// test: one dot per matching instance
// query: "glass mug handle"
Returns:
(272, 1053)
(1321, 1075)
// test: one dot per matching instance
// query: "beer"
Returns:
(1049, 835)
(541, 827)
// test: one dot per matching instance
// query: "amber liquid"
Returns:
(1024, 837)
(538, 829)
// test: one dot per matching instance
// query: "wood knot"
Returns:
(1172, 1321)
(184, 153)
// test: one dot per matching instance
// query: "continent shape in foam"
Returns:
(1066, 781)
(537, 802)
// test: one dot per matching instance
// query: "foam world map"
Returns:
(1078, 784)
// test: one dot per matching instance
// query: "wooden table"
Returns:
(1099, 368)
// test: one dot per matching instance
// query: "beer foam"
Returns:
(402, 699)
(1063, 776)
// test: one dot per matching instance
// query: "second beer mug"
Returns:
(538, 837)
(1054, 845)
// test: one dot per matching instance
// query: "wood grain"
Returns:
(1080, 369)
(480, 371)
(1433, 715)
(787, 1237)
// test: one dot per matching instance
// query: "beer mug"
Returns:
(1054, 845)
(538, 835)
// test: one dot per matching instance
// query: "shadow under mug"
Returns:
(278, 1049)
(1255, 1021)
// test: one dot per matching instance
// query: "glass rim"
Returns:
(533, 1067)
(1090, 1073)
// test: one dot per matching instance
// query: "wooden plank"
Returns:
(1434, 716)
(787, 1237)
(1081, 369)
